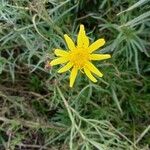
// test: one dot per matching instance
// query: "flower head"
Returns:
(79, 56)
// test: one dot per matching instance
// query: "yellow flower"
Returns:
(79, 57)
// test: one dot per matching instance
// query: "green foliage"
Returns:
(38, 110)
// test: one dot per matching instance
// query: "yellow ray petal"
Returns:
(73, 75)
(69, 42)
(66, 67)
(96, 45)
(89, 75)
(99, 56)
(59, 60)
(93, 69)
(60, 52)
(82, 39)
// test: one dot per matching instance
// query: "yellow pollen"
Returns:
(79, 57)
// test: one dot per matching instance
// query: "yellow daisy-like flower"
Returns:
(79, 57)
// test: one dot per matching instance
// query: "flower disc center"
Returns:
(79, 57)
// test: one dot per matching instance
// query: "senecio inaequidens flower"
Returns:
(79, 57)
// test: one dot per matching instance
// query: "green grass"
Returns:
(38, 110)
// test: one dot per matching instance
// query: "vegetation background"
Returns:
(39, 111)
